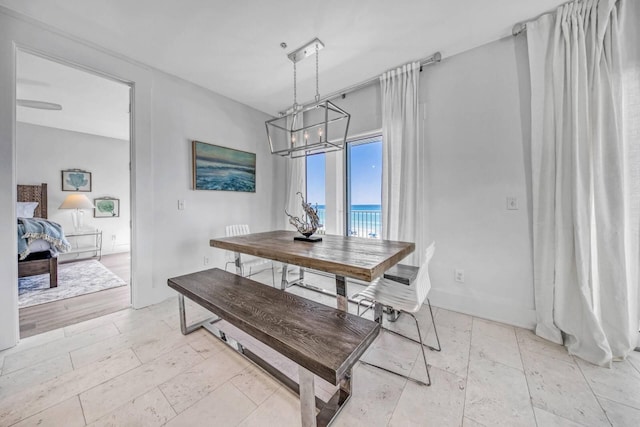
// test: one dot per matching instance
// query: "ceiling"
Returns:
(233, 47)
(90, 103)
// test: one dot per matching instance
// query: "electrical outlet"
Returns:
(113, 237)
(205, 260)
(512, 203)
(459, 275)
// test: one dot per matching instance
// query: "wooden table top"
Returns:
(355, 257)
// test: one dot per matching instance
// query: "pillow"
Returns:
(26, 209)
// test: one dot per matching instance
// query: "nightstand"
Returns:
(85, 241)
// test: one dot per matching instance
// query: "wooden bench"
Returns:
(320, 339)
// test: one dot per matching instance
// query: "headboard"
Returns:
(34, 193)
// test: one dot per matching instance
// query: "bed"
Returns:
(40, 261)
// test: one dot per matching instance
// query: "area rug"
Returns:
(74, 279)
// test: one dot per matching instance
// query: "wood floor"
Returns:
(45, 317)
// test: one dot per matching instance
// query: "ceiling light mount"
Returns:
(316, 128)
(306, 50)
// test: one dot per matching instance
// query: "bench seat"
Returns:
(321, 339)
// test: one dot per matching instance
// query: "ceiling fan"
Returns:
(41, 105)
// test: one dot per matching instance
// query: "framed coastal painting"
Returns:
(222, 168)
(76, 180)
(106, 207)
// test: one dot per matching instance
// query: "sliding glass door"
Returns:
(316, 194)
(364, 187)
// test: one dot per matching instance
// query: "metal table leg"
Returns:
(378, 309)
(285, 283)
(238, 264)
(341, 290)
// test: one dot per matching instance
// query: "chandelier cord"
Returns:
(295, 93)
(317, 82)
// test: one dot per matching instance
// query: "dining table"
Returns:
(343, 256)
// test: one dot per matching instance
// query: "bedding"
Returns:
(40, 245)
(31, 229)
(26, 209)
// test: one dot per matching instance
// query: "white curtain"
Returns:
(296, 180)
(402, 172)
(585, 224)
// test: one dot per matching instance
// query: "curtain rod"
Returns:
(433, 59)
(521, 27)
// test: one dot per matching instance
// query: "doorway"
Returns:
(73, 134)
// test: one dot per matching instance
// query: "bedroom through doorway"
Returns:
(74, 194)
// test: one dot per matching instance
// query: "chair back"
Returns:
(423, 282)
(237, 230)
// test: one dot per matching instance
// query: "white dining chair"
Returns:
(406, 299)
(249, 265)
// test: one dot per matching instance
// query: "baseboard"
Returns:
(117, 250)
(483, 307)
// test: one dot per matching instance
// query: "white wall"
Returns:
(474, 127)
(43, 152)
(184, 112)
(167, 114)
(478, 154)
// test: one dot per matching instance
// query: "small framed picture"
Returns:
(76, 180)
(106, 207)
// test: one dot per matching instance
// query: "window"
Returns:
(364, 187)
(316, 184)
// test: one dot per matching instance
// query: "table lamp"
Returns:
(77, 202)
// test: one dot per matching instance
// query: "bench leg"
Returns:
(305, 386)
(187, 329)
(307, 398)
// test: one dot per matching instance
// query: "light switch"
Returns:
(512, 203)
(181, 205)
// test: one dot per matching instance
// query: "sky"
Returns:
(366, 175)
(217, 153)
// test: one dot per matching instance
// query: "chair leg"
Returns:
(422, 346)
(353, 297)
(424, 357)
(435, 330)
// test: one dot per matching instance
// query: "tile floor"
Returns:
(134, 368)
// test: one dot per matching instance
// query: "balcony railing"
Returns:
(362, 223)
(365, 224)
